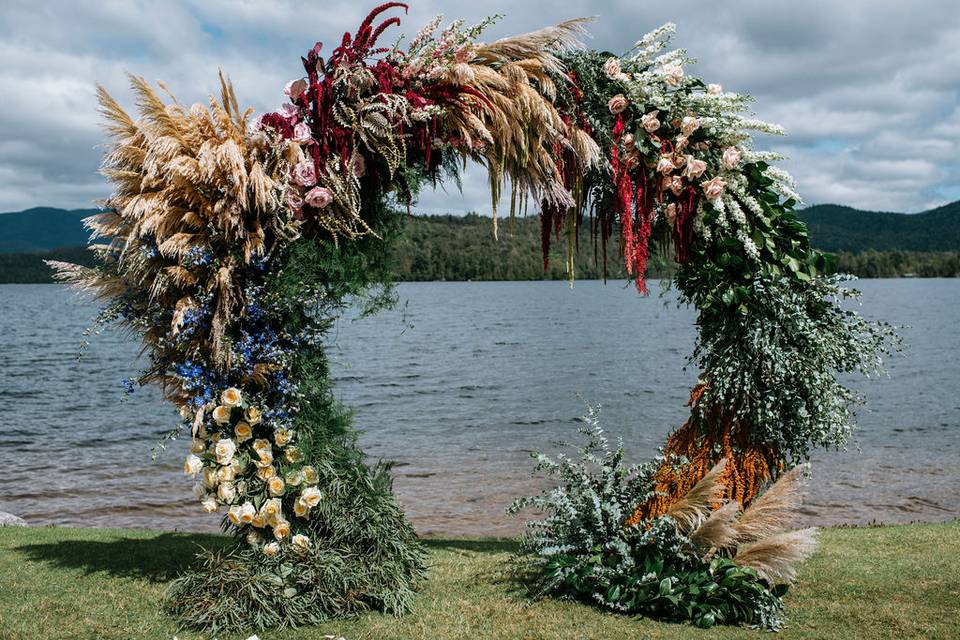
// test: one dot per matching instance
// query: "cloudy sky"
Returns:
(869, 90)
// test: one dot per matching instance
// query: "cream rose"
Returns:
(210, 505)
(714, 188)
(310, 475)
(688, 125)
(197, 446)
(293, 478)
(266, 472)
(676, 185)
(295, 88)
(731, 157)
(714, 89)
(221, 414)
(243, 431)
(300, 541)
(672, 74)
(282, 437)
(650, 122)
(311, 496)
(665, 164)
(293, 454)
(193, 465)
(617, 104)
(272, 508)
(281, 529)
(695, 167)
(276, 486)
(300, 508)
(210, 478)
(271, 549)
(226, 492)
(227, 473)
(225, 450)
(231, 397)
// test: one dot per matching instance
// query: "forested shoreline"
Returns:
(462, 248)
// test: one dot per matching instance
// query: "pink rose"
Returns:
(358, 165)
(680, 143)
(731, 157)
(650, 122)
(628, 142)
(290, 112)
(294, 201)
(714, 188)
(665, 164)
(295, 89)
(676, 185)
(319, 197)
(304, 174)
(688, 125)
(671, 213)
(301, 132)
(617, 104)
(612, 68)
(695, 167)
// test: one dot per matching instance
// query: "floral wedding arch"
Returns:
(230, 244)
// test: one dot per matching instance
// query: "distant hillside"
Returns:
(836, 228)
(455, 248)
(42, 229)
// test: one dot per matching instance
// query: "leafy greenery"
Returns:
(582, 550)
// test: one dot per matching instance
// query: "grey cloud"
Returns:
(868, 90)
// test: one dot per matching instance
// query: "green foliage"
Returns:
(777, 364)
(580, 549)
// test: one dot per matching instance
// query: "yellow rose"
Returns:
(282, 437)
(271, 507)
(193, 465)
(271, 549)
(226, 492)
(276, 486)
(243, 431)
(300, 541)
(210, 479)
(221, 414)
(310, 475)
(253, 415)
(225, 450)
(231, 397)
(265, 472)
(197, 446)
(258, 521)
(311, 496)
(266, 458)
(300, 508)
(281, 529)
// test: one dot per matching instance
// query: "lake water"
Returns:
(458, 385)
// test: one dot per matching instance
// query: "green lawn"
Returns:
(887, 582)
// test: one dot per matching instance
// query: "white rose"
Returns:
(243, 432)
(225, 450)
(231, 397)
(247, 512)
(281, 529)
(282, 437)
(234, 515)
(193, 465)
(689, 124)
(311, 496)
(300, 541)
(731, 157)
(199, 491)
(714, 89)
(300, 508)
(276, 486)
(210, 505)
(271, 508)
(221, 414)
(271, 549)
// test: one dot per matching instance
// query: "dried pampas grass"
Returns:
(694, 506)
(775, 557)
(718, 531)
(775, 509)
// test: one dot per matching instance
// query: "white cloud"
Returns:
(868, 90)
